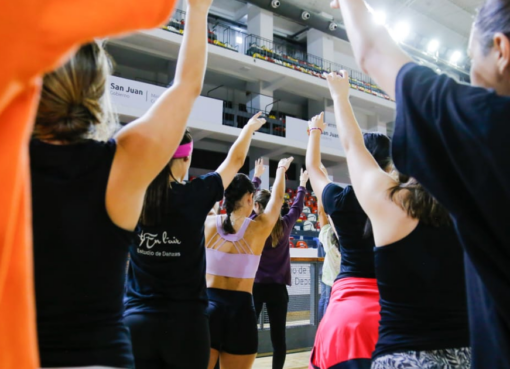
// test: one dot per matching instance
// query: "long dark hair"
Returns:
(156, 198)
(379, 146)
(240, 186)
(262, 198)
(493, 17)
(418, 203)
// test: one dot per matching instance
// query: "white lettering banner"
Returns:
(297, 129)
(134, 98)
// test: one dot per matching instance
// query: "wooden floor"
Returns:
(294, 361)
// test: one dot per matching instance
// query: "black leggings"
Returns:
(163, 341)
(276, 298)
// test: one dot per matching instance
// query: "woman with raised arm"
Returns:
(234, 243)
(453, 138)
(26, 56)
(273, 275)
(166, 296)
(347, 333)
(88, 196)
(418, 259)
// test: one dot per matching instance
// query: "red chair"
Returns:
(301, 245)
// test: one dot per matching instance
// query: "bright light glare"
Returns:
(379, 17)
(433, 46)
(401, 31)
(456, 57)
(239, 40)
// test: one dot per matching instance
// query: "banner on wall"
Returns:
(129, 94)
(297, 129)
(300, 279)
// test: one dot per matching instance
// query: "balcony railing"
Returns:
(223, 35)
(283, 55)
(219, 33)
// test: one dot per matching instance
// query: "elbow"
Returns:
(365, 55)
(191, 90)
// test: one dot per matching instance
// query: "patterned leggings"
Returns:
(458, 358)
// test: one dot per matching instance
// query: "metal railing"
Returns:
(219, 33)
(286, 56)
(238, 108)
(224, 35)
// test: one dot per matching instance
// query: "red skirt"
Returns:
(348, 332)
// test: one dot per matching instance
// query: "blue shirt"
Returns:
(167, 268)
(455, 140)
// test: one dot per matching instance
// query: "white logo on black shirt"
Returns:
(152, 239)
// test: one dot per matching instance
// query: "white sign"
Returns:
(133, 94)
(297, 129)
(300, 279)
(134, 98)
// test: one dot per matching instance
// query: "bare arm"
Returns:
(318, 179)
(369, 181)
(374, 49)
(274, 206)
(147, 145)
(237, 153)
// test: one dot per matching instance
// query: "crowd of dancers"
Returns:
(424, 278)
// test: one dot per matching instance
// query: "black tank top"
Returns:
(80, 257)
(423, 295)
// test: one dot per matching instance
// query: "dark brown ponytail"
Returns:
(240, 186)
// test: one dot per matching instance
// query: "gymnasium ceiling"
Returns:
(449, 21)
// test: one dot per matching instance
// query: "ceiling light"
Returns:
(433, 46)
(239, 40)
(305, 15)
(332, 26)
(456, 57)
(379, 17)
(401, 31)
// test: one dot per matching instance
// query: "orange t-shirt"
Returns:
(37, 36)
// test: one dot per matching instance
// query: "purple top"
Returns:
(275, 261)
(243, 264)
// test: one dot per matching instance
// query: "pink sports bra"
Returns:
(243, 264)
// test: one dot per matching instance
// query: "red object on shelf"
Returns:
(301, 245)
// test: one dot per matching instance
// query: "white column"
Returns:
(260, 22)
(261, 98)
(320, 44)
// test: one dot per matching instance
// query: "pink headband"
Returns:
(184, 151)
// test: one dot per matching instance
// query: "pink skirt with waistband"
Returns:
(348, 332)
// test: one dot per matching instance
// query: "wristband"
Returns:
(313, 129)
(283, 168)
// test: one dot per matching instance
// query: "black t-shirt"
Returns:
(79, 258)
(167, 268)
(455, 140)
(349, 221)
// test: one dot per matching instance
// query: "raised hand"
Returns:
(317, 122)
(259, 168)
(335, 4)
(338, 83)
(303, 178)
(285, 163)
(256, 122)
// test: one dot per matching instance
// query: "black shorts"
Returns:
(170, 341)
(232, 322)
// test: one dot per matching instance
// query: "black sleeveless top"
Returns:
(349, 221)
(80, 257)
(423, 294)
